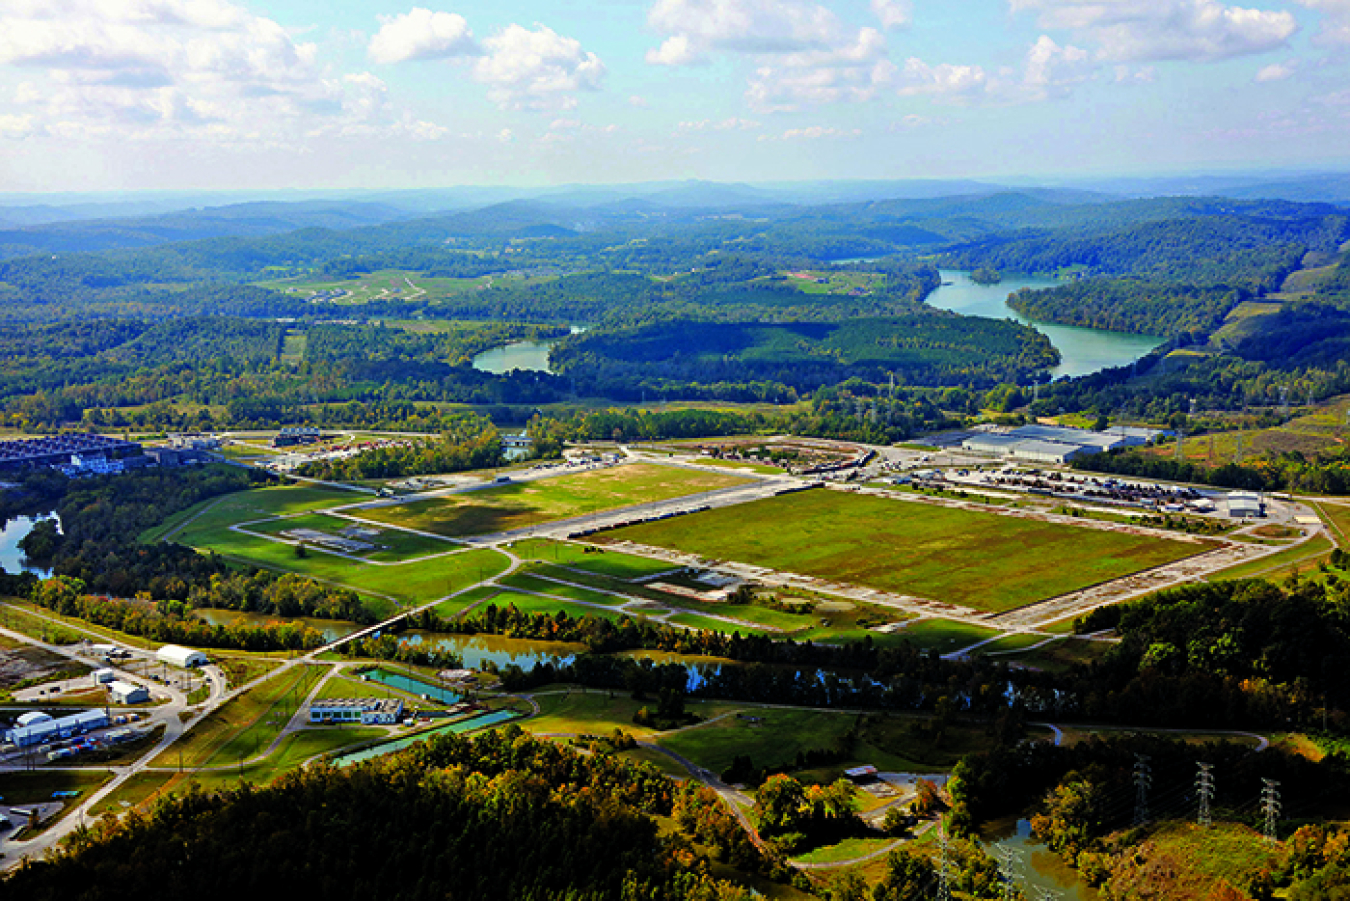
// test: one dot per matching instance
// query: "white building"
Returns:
(1047, 451)
(102, 676)
(367, 711)
(120, 692)
(1245, 505)
(37, 731)
(174, 655)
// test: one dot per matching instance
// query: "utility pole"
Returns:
(1143, 779)
(1270, 806)
(1204, 790)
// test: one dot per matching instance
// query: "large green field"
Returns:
(516, 505)
(980, 560)
(381, 584)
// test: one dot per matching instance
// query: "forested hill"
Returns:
(1131, 305)
(502, 817)
(1253, 250)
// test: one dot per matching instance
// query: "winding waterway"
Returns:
(1082, 351)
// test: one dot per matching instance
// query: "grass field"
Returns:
(515, 505)
(1303, 558)
(392, 545)
(382, 586)
(979, 560)
(530, 582)
(577, 556)
(944, 635)
(242, 506)
(593, 712)
(530, 603)
(236, 728)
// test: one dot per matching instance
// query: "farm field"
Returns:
(978, 560)
(515, 505)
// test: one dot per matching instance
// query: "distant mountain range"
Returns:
(75, 222)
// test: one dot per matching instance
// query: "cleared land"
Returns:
(208, 527)
(979, 560)
(390, 545)
(516, 505)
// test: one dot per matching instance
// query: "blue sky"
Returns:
(228, 94)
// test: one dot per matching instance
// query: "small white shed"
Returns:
(120, 692)
(103, 676)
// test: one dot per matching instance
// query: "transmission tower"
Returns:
(1204, 790)
(1284, 403)
(944, 892)
(1009, 860)
(1143, 779)
(1270, 806)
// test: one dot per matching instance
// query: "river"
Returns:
(12, 559)
(1082, 351)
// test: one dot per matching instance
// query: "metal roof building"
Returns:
(120, 692)
(1047, 451)
(50, 729)
(176, 655)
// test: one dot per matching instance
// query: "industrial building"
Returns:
(185, 658)
(367, 711)
(293, 435)
(120, 692)
(1055, 444)
(1245, 505)
(103, 676)
(93, 452)
(1047, 451)
(39, 728)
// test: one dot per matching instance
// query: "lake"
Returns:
(475, 650)
(12, 559)
(1082, 351)
(531, 356)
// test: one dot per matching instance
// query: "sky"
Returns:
(114, 95)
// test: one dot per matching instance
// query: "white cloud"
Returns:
(1335, 28)
(638, 102)
(1051, 70)
(817, 132)
(917, 77)
(696, 28)
(206, 69)
(14, 127)
(421, 34)
(847, 72)
(537, 69)
(1155, 30)
(732, 124)
(1277, 71)
(892, 13)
